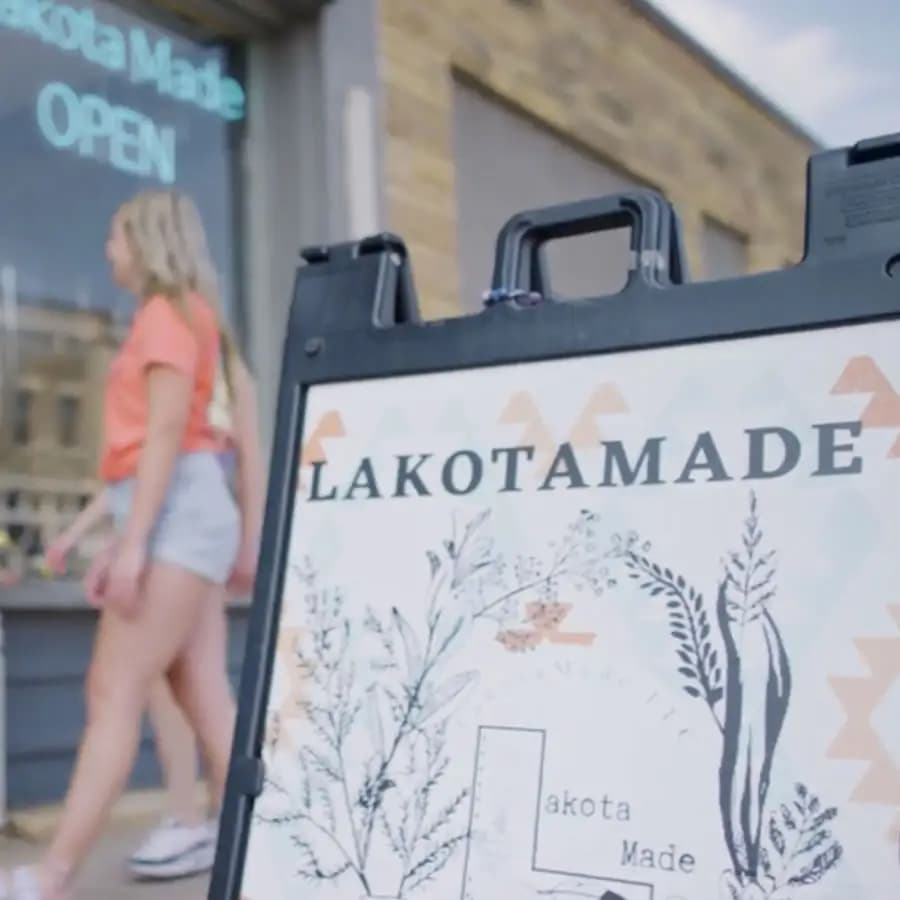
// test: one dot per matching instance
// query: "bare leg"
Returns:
(176, 750)
(129, 656)
(199, 679)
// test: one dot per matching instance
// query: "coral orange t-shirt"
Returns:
(160, 335)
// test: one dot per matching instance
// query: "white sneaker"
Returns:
(175, 850)
(25, 885)
(22, 884)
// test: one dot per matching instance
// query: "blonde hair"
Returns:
(170, 258)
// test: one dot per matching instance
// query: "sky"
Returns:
(832, 66)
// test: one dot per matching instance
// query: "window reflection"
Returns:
(68, 408)
(83, 126)
(21, 428)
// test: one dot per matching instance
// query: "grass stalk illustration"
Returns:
(757, 693)
(756, 696)
(376, 771)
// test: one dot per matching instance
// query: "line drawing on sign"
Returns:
(503, 849)
(376, 780)
(744, 666)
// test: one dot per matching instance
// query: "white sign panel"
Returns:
(622, 628)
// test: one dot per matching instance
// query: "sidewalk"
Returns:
(105, 876)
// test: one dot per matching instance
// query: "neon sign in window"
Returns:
(81, 118)
(92, 127)
(77, 138)
(143, 57)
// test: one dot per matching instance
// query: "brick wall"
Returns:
(603, 75)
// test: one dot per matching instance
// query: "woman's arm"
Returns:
(250, 479)
(168, 406)
(89, 518)
(251, 476)
(85, 522)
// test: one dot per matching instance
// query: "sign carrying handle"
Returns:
(657, 248)
(391, 300)
(853, 202)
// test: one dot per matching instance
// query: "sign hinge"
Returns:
(248, 775)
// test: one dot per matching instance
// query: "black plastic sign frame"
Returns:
(626, 628)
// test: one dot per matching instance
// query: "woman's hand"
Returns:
(97, 576)
(57, 553)
(86, 521)
(123, 578)
(240, 582)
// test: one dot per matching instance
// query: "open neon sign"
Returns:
(143, 58)
(92, 127)
(87, 124)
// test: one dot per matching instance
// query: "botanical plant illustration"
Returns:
(758, 690)
(802, 845)
(381, 689)
(689, 625)
(755, 696)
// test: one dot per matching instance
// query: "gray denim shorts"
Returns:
(198, 527)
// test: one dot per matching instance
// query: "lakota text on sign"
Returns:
(770, 452)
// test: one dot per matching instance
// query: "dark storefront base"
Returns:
(47, 650)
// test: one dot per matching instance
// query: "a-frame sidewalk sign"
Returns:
(592, 598)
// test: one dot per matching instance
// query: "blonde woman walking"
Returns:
(183, 842)
(179, 534)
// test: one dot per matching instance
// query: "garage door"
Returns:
(505, 163)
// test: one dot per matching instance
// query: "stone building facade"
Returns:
(613, 80)
(435, 119)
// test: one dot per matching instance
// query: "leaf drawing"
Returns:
(689, 626)
(755, 707)
(373, 719)
(411, 650)
(755, 712)
(776, 836)
(441, 697)
(749, 575)
(806, 851)
(816, 869)
(739, 657)
(375, 766)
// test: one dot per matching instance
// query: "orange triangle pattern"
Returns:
(521, 408)
(883, 411)
(604, 401)
(858, 739)
(585, 433)
(893, 833)
(862, 375)
(312, 452)
(331, 425)
(894, 452)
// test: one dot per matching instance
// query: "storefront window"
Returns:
(96, 104)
